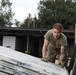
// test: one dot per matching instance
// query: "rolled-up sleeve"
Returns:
(63, 41)
(47, 36)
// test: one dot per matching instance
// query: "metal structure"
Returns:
(30, 39)
(16, 63)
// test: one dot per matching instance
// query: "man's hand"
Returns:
(60, 63)
(63, 63)
(45, 60)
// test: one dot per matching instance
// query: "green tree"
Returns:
(52, 11)
(34, 23)
(2, 22)
(6, 14)
(27, 23)
(16, 23)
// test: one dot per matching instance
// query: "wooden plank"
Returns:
(24, 62)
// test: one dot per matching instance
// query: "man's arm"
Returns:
(44, 48)
(63, 53)
(63, 60)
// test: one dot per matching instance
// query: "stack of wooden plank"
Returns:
(16, 63)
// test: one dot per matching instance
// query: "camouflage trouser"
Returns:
(51, 55)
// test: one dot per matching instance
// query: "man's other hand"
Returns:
(45, 60)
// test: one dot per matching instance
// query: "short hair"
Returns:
(58, 26)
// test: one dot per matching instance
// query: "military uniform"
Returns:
(54, 45)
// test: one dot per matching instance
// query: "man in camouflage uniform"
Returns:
(55, 43)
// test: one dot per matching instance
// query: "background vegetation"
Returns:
(49, 12)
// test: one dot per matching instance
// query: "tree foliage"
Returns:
(25, 23)
(6, 14)
(30, 23)
(53, 11)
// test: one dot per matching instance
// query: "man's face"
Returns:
(56, 33)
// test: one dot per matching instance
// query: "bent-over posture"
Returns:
(55, 43)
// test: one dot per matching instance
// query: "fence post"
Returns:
(73, 58)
